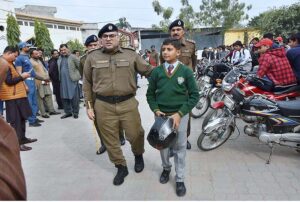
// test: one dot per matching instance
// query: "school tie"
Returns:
(170, 68)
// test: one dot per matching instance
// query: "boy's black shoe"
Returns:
(122, 140)
(121, 174)
(164, 177)
(188, 145)
(139, 163)
(180, 189)
(101, 150)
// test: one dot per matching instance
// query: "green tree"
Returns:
(42, 37)
(215, 13)
(75, 45)
(12, 31)
(281, 21)
(224, 13)
(123, 24)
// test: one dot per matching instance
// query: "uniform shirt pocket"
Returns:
(102, 69)
(122, 63)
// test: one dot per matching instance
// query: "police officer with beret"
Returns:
(92, 43)
(187, 55)
(109, 73)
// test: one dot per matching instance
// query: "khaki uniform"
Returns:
(44, 92)
(188, 53)
(109, 75)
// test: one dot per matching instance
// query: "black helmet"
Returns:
(162, 133)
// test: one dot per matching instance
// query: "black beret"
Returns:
(107, 28)
(90, 39)
(176, 23)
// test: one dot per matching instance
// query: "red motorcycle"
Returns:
(242, 80)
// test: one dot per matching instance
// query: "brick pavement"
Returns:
(63, 166)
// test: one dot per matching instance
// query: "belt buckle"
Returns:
(116, 99)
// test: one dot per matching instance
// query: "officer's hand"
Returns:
(25, 75)
(91, 114)
(176, 120)
(159, 113)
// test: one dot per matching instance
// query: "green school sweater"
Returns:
(175, 93)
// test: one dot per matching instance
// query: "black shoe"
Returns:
(180, 189)
(25, 148)
(46, 116)
(164, 177)
(139, 163)
(28, 140)
(66, 116)
(39, 121)
(188, 145)
(35, 124)
(122, 140)
(171, 152)
(121, 174)
(54, 113)
(101, 150)
(75, 116)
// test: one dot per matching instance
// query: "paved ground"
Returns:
(63, 166)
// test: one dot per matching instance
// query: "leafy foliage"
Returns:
(224, 13)
(281, 21)
(13, 30)
(215, 13)
(75, 45)
(42, 37)
(123, 24)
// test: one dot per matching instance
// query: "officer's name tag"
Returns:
(102, 61)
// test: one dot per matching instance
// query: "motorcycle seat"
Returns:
(289, 108)
(288, 90)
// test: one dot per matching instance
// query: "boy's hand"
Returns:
(176, 120)
(159, 113)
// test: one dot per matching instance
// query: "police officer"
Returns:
(187, 55)
(92, 43)
(109, 73)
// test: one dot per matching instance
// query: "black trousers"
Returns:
(17, 111)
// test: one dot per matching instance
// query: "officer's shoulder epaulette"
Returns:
(191, 41)
(128, 48)
(94, 50)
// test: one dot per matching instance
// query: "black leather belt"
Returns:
(114, 99)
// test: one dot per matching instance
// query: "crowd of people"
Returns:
(108, 77)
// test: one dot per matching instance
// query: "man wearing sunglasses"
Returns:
(109, 73)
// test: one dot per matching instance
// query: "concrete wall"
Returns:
(233, 35)
(57, 36)
(7, 6)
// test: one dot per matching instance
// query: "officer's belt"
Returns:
(114, 99)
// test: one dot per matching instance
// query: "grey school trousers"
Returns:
(179, 150)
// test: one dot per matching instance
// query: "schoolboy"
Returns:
(173, 92)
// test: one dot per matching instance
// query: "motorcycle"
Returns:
(272, 122)
(242, 80)
(209, 85)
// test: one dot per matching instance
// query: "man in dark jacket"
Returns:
(12, 180)
(54, 76)
(294, 54)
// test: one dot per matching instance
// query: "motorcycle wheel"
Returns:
(213, 140)
(201, 107)
(211, 115)
(216, 96)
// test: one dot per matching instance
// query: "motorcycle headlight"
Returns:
(229, 103)
(227, 86)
